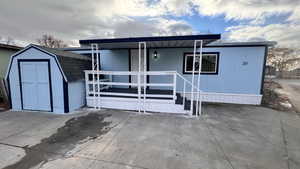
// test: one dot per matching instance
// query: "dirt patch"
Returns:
(273, 99)
(75, 131)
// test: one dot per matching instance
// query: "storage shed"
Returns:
(46, 79)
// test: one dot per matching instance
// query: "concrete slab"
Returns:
(10, 155)
(227, 136)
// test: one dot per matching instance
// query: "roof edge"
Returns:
(151, 38)
(237, 44)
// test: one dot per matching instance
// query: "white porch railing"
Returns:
(96, 84)
(96, 87)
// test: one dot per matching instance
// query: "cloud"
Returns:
(287, 35)
(72, 20)
(245, 9)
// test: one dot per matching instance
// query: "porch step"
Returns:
(187, 105)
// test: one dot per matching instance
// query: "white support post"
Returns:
(199, 102)
(93, 75)
(174, 86)
(98, 76)
(95, 71)
(145, 74)
(183, 93)
(87, 89)
(110, 79)
(193, 77)
(139, 79)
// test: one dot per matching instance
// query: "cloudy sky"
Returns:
(71, 20)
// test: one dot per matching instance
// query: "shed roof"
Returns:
(152, 41)
(72, 64)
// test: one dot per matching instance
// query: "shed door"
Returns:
(35, 85)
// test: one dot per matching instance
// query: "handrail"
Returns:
(190, 83)
(132, 72)
(106, 82)
(192, 87)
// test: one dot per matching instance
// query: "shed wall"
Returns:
(76, 92)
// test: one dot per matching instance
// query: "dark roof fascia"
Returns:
(152, 38)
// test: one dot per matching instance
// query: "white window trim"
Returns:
(198, 55)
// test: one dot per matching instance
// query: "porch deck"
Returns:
(109, 92)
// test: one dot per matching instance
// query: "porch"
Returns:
(132, 90)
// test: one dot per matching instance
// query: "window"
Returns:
(209, 63)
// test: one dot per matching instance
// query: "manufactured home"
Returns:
(170, 74)
(166, 71)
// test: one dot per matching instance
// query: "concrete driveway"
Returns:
(292, 89)
(228, 136)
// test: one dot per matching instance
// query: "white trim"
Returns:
(234, 98)
(132, 94)
(151, 105)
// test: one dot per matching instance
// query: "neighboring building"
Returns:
(5, 52)
(46, 79)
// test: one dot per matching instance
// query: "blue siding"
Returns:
(115, 60)
(233, 76)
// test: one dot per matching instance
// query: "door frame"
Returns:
(49, 75)
(130, 67)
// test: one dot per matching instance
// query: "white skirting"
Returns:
(151, 105)
(229, 98)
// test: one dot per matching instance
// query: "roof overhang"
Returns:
(152, 42)
(242, 44)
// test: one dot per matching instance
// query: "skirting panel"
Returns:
(230, 98)
(151, 105)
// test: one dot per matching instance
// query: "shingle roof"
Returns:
(72, 64)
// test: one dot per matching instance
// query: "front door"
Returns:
(135, 64)
(35, 85)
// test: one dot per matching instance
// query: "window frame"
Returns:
(216, 72)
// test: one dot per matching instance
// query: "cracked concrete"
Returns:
(227, 136)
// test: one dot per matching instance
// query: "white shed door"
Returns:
(35, 85)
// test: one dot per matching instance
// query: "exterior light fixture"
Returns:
(155, 55)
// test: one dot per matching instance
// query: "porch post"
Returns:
(174, 86)
(193, 77)
(145, 81)
(93, 76)
(199, 102)
(98, 76)
(139, 79)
